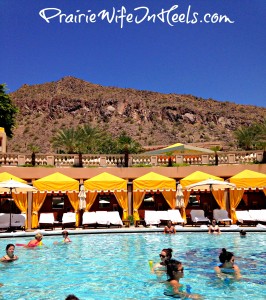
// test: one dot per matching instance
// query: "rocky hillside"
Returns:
(149, 117)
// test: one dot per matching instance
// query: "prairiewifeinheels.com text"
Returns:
(122, 16)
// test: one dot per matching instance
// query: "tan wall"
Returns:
(177, 173)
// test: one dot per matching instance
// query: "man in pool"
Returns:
(10, 256)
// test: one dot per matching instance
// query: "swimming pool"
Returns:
(115, 266)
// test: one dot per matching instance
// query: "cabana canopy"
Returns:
(197, 177)
(7, 176)
(56, 182)
(105, 182)
(154, 182)
(109, 183)
(249, 179)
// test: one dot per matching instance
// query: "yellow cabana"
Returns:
(152, 182)
(107, 182)
(197, 177)
(20, 198)
(7, 176)
(249, 179)
(53, 183)
(244, 180)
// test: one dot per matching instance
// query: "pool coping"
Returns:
(132, 229)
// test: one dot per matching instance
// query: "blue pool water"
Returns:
(115, 266)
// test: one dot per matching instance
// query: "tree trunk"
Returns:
(33, 159)
(80, 161)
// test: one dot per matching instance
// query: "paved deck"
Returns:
(131, 229)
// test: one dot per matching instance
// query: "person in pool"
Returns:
(66, 237)
(174, 272)
(36, 242)
(10, 256)
(169, 228)
(166, 254)
(227, 264)
(214, 228)
(243, 233)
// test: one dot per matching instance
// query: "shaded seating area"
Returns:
(156, 185)
(151, 218)
(258, 215)
(221, 216)
(175, 216)
(198, 217)
(244, 218)
(46, 220)
(61, 186)
(17, 221)
(69, 220)
(102, 191)
(102, 218)
(247, 182)
(89, 219)
(114, 219)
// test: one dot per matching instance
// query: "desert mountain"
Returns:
(149, 117)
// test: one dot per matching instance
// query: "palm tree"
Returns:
(127, 145)
(65, 140)
(34, 149)
(216, 149)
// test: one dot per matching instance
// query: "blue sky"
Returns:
(223, 61)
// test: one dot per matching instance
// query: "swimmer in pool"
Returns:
(166, 254)
(214, 228)
(66, 238)
(243, 233)
(175, 271)
(10, 256)
(227, 264)
(169, 228)
(36, 242)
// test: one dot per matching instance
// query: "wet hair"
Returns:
(8, 246)
(225, 256)
(168, 252)
(172, 269)
(243, 232)
(65, 232)
(71, 297)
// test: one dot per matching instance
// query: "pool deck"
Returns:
(131, 229)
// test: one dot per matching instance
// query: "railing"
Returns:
(118, 160)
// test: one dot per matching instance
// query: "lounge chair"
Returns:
(151, 218)
(4, 221)
(221, 216)
(175, 216)
(89, 218)
(46, 220)
(163, 216)
(18, 220)
(198, 217)
(102, 218)
(258, 215)
(244, 218)
(69, 220)
(114, 218)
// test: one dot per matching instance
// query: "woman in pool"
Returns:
(165, 255)
(36, 242)
(175, 271)
(169, 228)
(214, 228)
(227, 264)
(10, 256)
